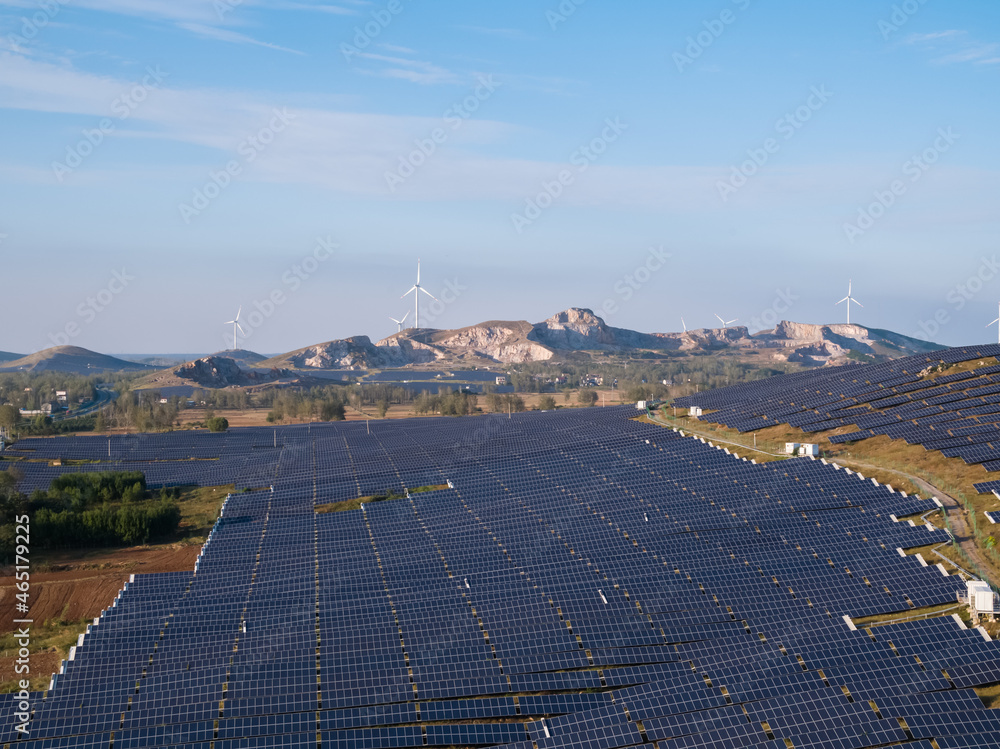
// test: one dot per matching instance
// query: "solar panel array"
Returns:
(957, 414)
(584, 580)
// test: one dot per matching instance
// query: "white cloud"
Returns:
(350, 152)
(933, 36)
(407, 69)
(965, 49)
(226, 35)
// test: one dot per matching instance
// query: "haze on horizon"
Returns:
(174, 161)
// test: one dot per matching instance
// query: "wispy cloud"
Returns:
(516, 34)
(933, 36)
(337, 10)
(234, 37)
(958, 47)
(407, 68)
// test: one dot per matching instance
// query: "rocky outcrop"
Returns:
(828, 343)
(220, 372)
(579, 329)
(507, 342)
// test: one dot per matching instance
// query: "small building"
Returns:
(695, 411)
(61, 396)
(809, 448)
(641, 405)
(981, 599)
(501, 379)
(792, 448)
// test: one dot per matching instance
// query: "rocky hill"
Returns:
(71, 359)
(580, 330)
(219, 372)
(241, 357)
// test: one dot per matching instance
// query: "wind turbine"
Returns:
(849, 299)
(399, 323)
(997, 323)
(684, 325)
(727, 323)
(236, 326)
(415, 290)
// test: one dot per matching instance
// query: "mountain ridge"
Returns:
(578, 329)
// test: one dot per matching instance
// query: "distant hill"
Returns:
(73, 360)
(580, 330)
(241, 357)
(220, 372)
(6, 356)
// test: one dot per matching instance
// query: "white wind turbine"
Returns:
(415, 290)
(684, 325)
(727, 323)
(236, 326)
(849, 299)
(399, 323)
(997, 323)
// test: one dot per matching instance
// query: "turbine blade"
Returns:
(418, 271)
(412, 288)
(843, 300)
(857, 302)
(229, 322)
(405, 316)
(241, 329)
(429, 294)
(994, 322)
(239, 311)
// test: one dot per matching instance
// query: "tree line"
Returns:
(88, 509)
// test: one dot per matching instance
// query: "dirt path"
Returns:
(957, 518)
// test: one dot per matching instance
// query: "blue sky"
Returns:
(534, 155)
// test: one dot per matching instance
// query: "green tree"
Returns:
(332, 411)
(586, 397)
(10, 416)
(547, 403)
(217, 424)
(383, 408)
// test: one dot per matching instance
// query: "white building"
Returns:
(981, 599)
(501, 379)
(695, 411)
